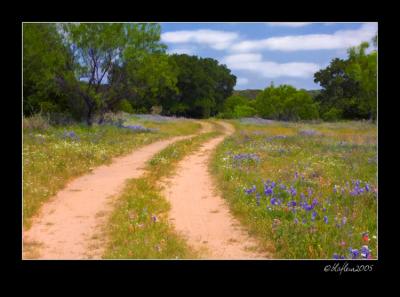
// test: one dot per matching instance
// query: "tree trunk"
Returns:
(89, 120)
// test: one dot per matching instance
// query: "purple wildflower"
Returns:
(326, 219)
(314, 215)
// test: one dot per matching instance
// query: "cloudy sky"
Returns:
(258, 53)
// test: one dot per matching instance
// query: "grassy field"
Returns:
(53, 155)
(307, 190)
(139, 226)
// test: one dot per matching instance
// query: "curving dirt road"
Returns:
(201, 215)
(69, 225)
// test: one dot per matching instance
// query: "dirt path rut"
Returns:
(201, 215)
(68, 226)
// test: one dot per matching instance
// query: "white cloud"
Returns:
(338, 40)
(289, 24)
(255, 63)
(242, 81)
(216, 39)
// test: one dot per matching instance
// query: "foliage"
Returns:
(203, 87)
(350, 85)
(286, 103)
(44, 57)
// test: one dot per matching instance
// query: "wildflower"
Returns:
(296, 175)
(292, 191)
(365, 252)
(314, 215)
(304, 221)
(282, 186)
(302, 196)
(342, 243)
(315, 202)
(309, 192)
(335, 256)
(274, 201)
(326, 219)
(365, 237)
(251, 190)
(154, 218)
(324, 209)
(296, 221)
(354, 253)
(268, 191)
(344, 220)
(367, 188)
(258, 197)
(292, 203)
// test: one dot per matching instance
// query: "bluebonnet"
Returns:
(354, 253)
(314, 215)
(251, 190)
(367, 188)
(365, 251)
(268, 190)
(326, 219)
(274, 201)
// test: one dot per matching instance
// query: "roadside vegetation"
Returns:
(309, 189)
(52, 155)
(139, 227)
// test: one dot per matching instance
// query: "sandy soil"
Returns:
(201, 215)
(69, 226)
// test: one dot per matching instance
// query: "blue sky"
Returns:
(258, 53)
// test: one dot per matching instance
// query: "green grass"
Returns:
(336, 154)
(50, 160)
(133, 234)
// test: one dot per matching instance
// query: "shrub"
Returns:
(243, 111)
(332, 114)
(125, 106)
(36, 122)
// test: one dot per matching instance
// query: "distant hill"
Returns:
(252, 93)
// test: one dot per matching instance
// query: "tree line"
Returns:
(85, 70)
(90, 69)
(349, 91)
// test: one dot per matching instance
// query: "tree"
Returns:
(203, 87)
(349, 86)
(44, 58)
(97, 48)
(147, 82)
(286, 103)
(362, 67)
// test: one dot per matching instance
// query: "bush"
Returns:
(332, 114)
(125, 106)
(36, 122)
(243, 111)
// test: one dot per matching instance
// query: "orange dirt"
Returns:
(202, 216)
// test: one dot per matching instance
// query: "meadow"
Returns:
(306, 190)
(53, 154)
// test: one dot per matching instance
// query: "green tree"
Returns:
(362, 67)
(286, 103)
(98, 47)
(203, 87)
(44, 58)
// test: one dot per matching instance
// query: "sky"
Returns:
(261, 53)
